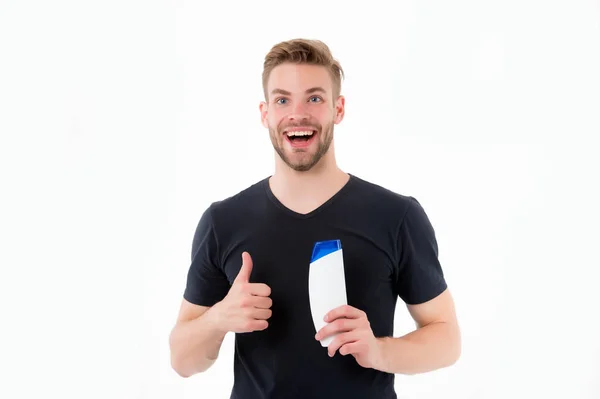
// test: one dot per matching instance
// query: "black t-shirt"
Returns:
(389, 250)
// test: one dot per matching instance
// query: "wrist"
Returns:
(381, 361)
(214, 320)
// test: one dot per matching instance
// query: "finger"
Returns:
(258, 289)
(352, 348)
(337, 326)
(261, 302)
(246, 269)
(260, 314)
(346, 311)
(255, 325)
(341, 340)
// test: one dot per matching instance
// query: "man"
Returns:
(251, 254)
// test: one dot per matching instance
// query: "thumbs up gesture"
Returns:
(247, 306)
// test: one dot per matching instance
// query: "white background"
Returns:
(121, 121)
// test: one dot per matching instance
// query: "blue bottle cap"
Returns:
(323, 248)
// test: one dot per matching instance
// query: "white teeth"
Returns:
(306, 133)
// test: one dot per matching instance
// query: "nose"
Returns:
(299, 112)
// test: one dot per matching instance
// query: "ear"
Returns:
(263, 113)
(340, 109)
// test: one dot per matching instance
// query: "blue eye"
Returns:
(279, 100)
(318, 98)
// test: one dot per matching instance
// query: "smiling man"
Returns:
(251, 253)
(302, 140)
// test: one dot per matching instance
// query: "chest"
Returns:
(281, 259)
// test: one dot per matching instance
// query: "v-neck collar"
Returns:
(298, 215)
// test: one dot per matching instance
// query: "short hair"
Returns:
(303, 51)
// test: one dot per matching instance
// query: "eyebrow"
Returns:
(309, 91)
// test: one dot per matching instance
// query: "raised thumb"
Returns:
(246, 269)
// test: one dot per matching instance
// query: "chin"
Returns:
(302, 167)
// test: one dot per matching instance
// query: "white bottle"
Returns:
(327, 282)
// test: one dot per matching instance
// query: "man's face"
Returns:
(300, 113)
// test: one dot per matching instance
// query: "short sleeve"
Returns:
(206, 284)
(420, 276)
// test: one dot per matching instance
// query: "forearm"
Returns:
(431, 347)
(195, 344)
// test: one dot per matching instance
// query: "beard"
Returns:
(301, 160)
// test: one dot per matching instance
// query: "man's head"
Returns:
(302, 86)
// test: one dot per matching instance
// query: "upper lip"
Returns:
(299, 129)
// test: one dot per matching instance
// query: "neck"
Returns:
(305, 190)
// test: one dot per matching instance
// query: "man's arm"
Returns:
(195, 340)
(436, 343)
(199, 332)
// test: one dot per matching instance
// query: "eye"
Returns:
(279, 100)
(316, 97)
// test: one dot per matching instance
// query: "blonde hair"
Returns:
(303, 51)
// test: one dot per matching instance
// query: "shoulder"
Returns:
(238, 203)
(227, 214)
(387, 205)
(383, 198)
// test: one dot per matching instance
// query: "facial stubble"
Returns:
(324, 139)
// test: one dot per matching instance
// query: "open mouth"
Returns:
(300, 138)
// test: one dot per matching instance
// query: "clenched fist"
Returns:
(247, 306)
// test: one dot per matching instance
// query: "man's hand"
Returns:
(247, 306)
(355, 335)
